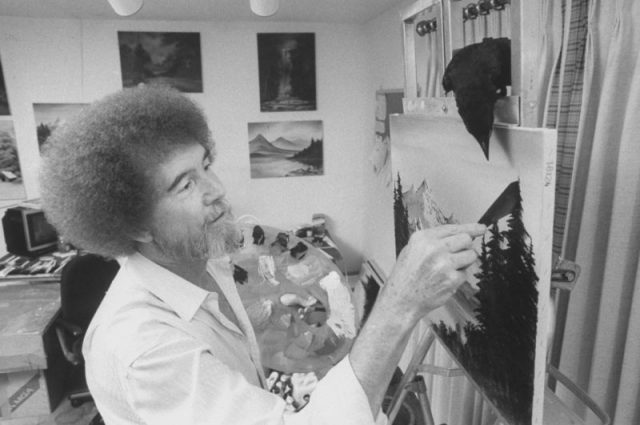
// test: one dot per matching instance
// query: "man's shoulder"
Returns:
(129, 322)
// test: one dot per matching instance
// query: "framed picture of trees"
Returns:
(4, 99)
(11, 184)
(495, 326)
(49, 116)
(168, 58)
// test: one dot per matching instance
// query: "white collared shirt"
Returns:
(159, 351)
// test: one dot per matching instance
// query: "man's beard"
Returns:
(213, 240)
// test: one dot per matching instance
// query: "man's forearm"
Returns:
(427, 272)
(377, 351)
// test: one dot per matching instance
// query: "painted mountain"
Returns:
(423, 209)
(285, 149)
(260, 146)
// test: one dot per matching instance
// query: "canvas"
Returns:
(287, 66)
(286, 148)
(50, 116)
(11, 184)
(495, 325)
(388, 102)
(168, 58)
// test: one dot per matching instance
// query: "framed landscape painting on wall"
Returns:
(4, 99)
(286, 149)
(50, 116)
(287, 68)
(495, 325)
(11, 184)
(170, 58)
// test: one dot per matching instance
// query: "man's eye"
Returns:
(187, 185)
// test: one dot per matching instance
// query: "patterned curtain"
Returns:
(601, 349)
(564, 105)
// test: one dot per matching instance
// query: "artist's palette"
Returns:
(297, 300)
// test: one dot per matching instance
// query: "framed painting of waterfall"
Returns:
(287, 69)
(495, 326)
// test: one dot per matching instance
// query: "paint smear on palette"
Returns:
(297, 300)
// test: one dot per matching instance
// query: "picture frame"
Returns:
(167, 58)
(11, 180)
(4, 98)
(287, 72)
(49, 116)
(286, 148)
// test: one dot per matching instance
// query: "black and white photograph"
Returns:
(287, 66)
(4, 99)
(286, 149)
(50, 116)
(170, 58)
(11, 184)
(463, 250)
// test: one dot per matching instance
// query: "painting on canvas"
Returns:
(287, 67)
(169, 58)
(11, 184)
(494, 325)
(285, 148)
(50, 116)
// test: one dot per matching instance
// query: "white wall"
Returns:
(78, 61)
(386, 71)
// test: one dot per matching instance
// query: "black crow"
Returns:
(479, 74)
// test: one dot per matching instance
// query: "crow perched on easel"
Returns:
(479, 74)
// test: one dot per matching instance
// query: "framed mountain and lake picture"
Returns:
(286, 149)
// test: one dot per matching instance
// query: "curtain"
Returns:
(564, 106)
(601, 351)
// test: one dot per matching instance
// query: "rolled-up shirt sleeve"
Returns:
(180, 381)
(338, 399)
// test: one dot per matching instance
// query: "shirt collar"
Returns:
(181, 295)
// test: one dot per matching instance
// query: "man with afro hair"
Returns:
(132, 177)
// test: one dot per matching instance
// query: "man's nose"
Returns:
(212, 189)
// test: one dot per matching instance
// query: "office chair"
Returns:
(83, 283)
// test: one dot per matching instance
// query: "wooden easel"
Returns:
(563, 278)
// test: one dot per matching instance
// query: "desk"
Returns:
(32, 367)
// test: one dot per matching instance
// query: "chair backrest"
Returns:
(83, 283)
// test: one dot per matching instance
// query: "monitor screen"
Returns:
(40, 231)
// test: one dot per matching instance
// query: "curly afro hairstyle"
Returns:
(97, 168)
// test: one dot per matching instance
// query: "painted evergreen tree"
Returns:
(523, 294)
(400, 217)
(498, 351)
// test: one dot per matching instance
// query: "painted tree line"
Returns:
(498, 350)
(311, 155)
